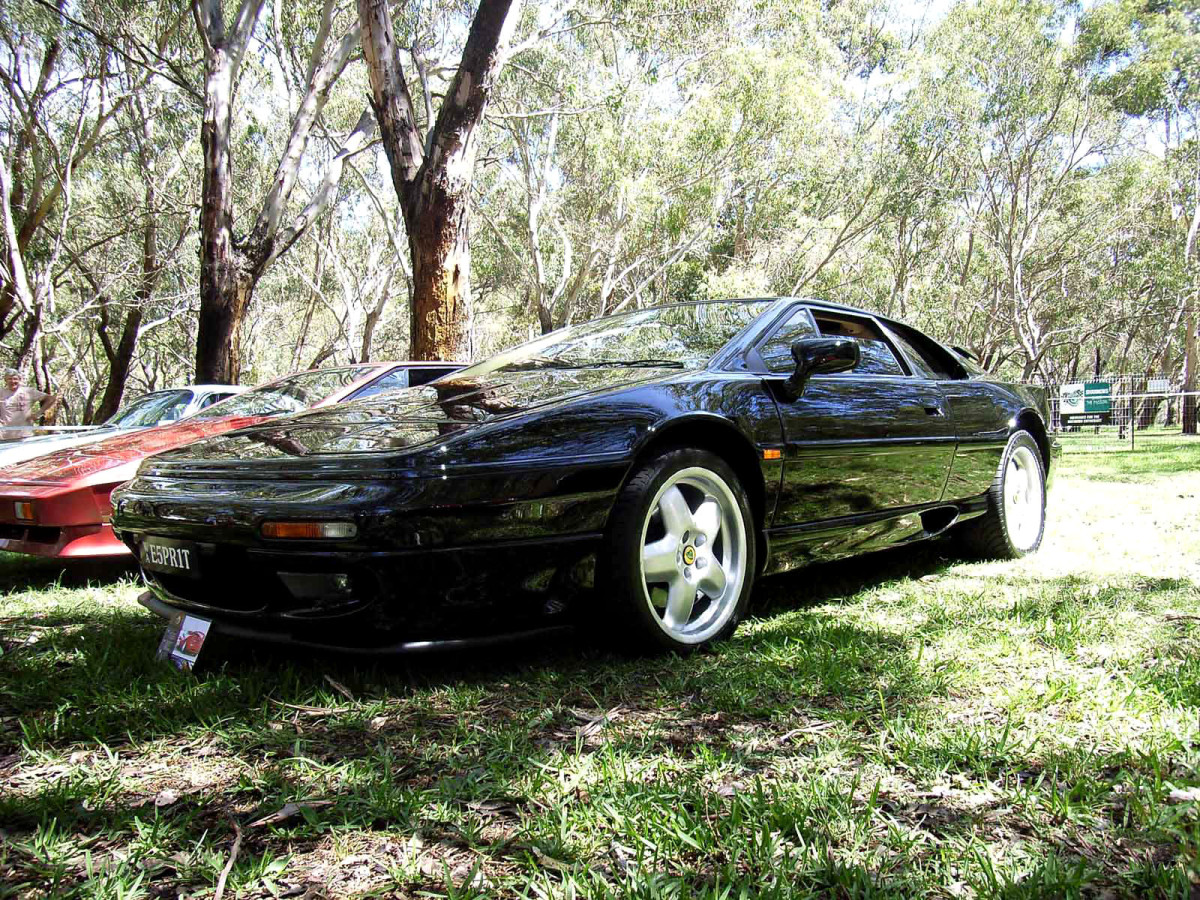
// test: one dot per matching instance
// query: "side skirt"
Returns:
(799, 545)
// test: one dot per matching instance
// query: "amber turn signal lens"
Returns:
(330, 531)
(24, 510)
(772, 454)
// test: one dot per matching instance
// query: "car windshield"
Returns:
(683, 336)
(287, 395)
(152, 409)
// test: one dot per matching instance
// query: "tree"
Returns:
(1147, 53)
(62, 93)
(124, 265)
(230, 267)
(432, 172)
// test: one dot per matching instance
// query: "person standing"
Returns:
(16, 405)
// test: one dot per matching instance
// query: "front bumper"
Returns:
(382, 602)
(251, 633)
(67, 542)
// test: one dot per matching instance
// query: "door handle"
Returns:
(935, 411)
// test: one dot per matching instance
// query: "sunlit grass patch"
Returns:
(1153, 455)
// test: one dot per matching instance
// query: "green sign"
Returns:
(1089, 403)
(1097, 397)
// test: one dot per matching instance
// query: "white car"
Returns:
(148, 410)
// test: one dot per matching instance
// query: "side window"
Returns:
(929, 360)
(213, 398)
(397, 378)
(875, 356)
(427, 374)
(776, 351)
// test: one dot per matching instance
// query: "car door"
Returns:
(861, 444)
(979, 408)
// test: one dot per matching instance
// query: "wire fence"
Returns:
(1120, 413)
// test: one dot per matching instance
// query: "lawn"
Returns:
(904, 725)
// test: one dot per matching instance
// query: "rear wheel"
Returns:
(1015, 519)
(682, 550)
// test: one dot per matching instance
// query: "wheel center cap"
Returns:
(689, 555)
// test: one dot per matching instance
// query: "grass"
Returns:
(902, 725)
(1106, 456)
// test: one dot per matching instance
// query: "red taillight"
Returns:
(329, 531)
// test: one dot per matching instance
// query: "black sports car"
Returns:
(637, 472)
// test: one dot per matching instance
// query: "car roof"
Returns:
(810, 301)
(195, 387)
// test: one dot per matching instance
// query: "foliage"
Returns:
(1019, 178)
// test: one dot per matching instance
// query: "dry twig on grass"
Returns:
(233, 854)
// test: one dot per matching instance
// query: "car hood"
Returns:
(410, 418)
(73, 463)
(18, 451)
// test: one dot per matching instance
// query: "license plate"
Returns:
(183, 639)
(172, 557)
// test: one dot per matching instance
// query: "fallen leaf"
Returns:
(625, 857)
(166, 797)
(1190, 795)
(498, 807)
(288, 811)
(154, 864)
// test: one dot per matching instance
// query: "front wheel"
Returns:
(681, 546)
(1015, 519)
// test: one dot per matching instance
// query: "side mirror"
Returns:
(819, 356)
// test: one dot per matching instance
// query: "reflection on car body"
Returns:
(146, 411)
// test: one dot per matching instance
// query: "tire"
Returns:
(681, 527)
(1015, 520)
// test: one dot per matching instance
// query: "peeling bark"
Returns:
(230, 269)
(432, 177)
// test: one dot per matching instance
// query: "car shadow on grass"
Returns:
(102, 662)
(844, 578)
(417, 749)
(20, 573)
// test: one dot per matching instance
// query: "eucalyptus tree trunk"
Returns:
(432, 174)
(219, 260)
(1188, 415)
(231, 268)
(120, 359)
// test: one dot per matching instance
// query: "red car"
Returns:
(58, 504)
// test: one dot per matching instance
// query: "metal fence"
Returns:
(1139, 413)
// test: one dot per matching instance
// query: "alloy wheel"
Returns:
(1023, 498)
(694, 555)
